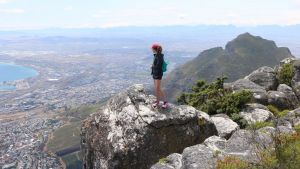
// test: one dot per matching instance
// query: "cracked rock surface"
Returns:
(129, 133)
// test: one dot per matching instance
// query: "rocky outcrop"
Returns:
(243, 144)
(259, 93)
(129, 133)
(265, 77)
(225, 126)
(292, 119)
(283, 98)
(253, 113)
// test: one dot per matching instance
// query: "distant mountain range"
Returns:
(179, 31)
(240, 57)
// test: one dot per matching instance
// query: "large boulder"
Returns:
(283, 98)
(259, 92)
(225, 126)
(253, 113)
(243, 144)
(265, 77)
(129, 133)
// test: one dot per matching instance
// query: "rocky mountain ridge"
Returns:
(129, 133)
(240, 57)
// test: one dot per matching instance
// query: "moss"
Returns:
(201, 121)
(162, 160)
(216, 153)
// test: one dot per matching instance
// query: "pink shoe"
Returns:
(155, 104)
(165, 105)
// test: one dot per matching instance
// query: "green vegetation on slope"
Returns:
(241, 56)
(65, 137)
(68, 136)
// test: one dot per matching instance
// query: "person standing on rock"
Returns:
(157, 74)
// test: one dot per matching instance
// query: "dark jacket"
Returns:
(157, 65)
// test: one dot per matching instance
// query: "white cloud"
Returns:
(12, 11)
(4, 1)
(297, 1)
(101, 14)
(182, 16)
(97, 16)
(68, 8)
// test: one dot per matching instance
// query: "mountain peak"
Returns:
(241, 56)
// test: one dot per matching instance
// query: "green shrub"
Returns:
(286, 73)
(297, 128)
(287, 149)
(214, 99)
(268, 160)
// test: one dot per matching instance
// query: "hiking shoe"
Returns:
(165, 105)
(155, 104)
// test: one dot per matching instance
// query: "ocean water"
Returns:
(11, 72)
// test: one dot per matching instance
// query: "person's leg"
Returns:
(157, 90)
(155, 104)
(162, 95)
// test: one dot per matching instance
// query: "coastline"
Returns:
(18, 83)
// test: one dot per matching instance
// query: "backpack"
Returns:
(165, 66)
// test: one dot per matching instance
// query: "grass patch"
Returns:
(259, 125)
(277, 112)
(231, 163)
(65, 137)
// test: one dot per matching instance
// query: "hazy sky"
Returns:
(27, 14)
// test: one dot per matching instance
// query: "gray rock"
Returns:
(198, 157)
(173, 161)
(291, 119)
(284, 98)
(296, 78)
(225, 126)
(287, 60)
(259, 93)
(253, 113)
(215, 143)
(129, 133)
(243, 144)
(256, 105)
(265, 77)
